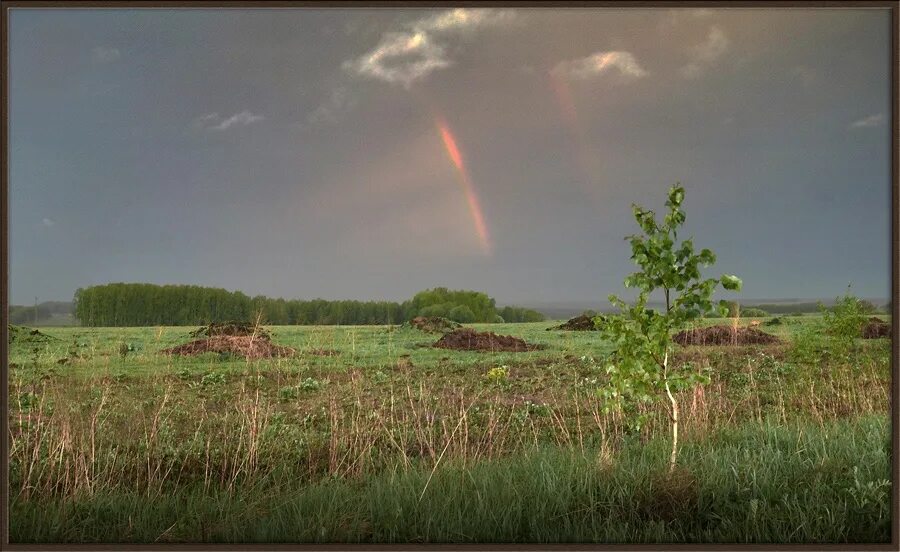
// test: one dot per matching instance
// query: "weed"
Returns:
(497, 375)
(212, 379)
(310, 384)
(380, 377)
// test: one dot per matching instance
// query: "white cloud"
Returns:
(462, 19)
(238, 119)
(48, 222)
(403, 57)
(339, 101)
(105, 54)
(870, 121)
(414, 56)
(706, 53)
(599, 63)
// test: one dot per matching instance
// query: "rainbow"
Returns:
(583, 156)
(466, 183)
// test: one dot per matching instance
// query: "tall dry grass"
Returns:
(73, 445)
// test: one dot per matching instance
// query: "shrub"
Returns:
(809, 346)
(461, 314)
(439, 311)
(843, 323)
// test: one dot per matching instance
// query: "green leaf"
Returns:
(707, 257)
(731, 282)
(676, 196)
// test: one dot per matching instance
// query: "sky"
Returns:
(372, 153)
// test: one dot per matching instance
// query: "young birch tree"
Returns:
(641, 368)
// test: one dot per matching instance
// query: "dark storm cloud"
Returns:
(296, 153)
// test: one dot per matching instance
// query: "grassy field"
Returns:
(370, 435)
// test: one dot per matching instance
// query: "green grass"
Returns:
(787, 443)
(359, 346)
(758, 483)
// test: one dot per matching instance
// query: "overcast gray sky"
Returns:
(369, 154)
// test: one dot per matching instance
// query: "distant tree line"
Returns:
(793, 308)
(520, 314)
(123, 304)
(785, 308)
(27, 314)
(735, 309)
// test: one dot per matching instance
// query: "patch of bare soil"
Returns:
(724, 335)
(23, 334)
(582, 323)
(467, 339)
(875, 328)
(230, 329)
(248, 347)
(434, 324)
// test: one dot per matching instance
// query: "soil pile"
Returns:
(22, 334)
(249, 347)
(434, 324)
(230, 329)
(467, 339)
(875, 328)
(582, 323)
(724, 335)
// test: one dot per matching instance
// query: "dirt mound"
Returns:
(583, 323)
(248, 347)
(434, 324)
(22, 334)
(724, 335)
(467, 339)
(875, 328)
(231, 329)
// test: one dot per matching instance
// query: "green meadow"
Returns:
(369, 434)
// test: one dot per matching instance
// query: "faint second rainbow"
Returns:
(466, 183)
(587, 164)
